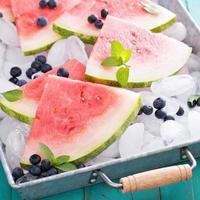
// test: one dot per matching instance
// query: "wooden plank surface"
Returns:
(189, 190)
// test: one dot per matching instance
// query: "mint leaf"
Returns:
(48, 153)
(150, 8)
(112, 62)
(116, 49)
(122, 76)
(66, 167)
(126, 55)
(62, 159)
(13, 95)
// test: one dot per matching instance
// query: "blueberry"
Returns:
(159, 103)
(104, 13)
(1, 14)
(36, 65)
(180, 111)
(45, 68)
(52, 172)
(98, 24)
(52, 4)
(45, 165)
(192, 104)
(63, 72)
(35, 170)
(41, 59)
(13, 80)
(30, 72)
(15, 72)
(35, 159)
(160, 114)
(198, 101)
(43, 3)
(42, 21)
(20, 83)
(147, 110)
(168, 117)
(17, 173)
(44, 174)
(92, 19)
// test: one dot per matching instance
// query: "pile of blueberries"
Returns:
(93, 19)
(51, 4)
(38, 169)
(159, 104)
(38, 65)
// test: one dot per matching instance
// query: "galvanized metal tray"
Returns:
(120, 167)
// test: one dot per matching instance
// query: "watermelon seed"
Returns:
(104, 13)
(92, 18)
(1, 14)
(98, 24)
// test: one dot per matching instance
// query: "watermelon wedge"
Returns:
(25, 109)
(154, 55)
(75, 21)
(36, 39)
(80, 119)
(5, 9)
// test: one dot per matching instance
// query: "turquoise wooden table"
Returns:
(189, 190)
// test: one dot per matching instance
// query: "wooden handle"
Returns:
(156, 178)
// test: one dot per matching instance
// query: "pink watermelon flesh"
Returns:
(129, 10)
(32, 37)
(5, 9)
(80, 119)
(25, 109)
(154, 55)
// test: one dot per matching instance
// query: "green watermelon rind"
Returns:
(45, 47)
(147, 83)
(91, 39)
(130, 118)
(12, 113)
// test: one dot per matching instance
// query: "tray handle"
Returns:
(154, 178)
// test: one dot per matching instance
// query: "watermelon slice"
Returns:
(5, 9)
(35, 39)
(75, 21)
(154, 55)
(80, 119)
(24, 109)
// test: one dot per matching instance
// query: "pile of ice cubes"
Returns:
(147, 133)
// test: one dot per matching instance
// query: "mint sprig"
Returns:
(119, 57)
(61, 162)
(13, 95)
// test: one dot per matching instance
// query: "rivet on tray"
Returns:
(93, 180)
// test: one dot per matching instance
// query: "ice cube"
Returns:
(15, 144)
(154, 144)
(173, 132)
(6, 85)
(193, 64)
(181, 86)
(131, 141)
(171, 107)
(9, 124)
(8, 33)
(196, 77)
(98, 159)
(112, 151)
(76, 49)
(58, 53)
(194, 124)
(2, 50)
(177, 31)
(151, 123)
(16, 56)
(147, 98)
